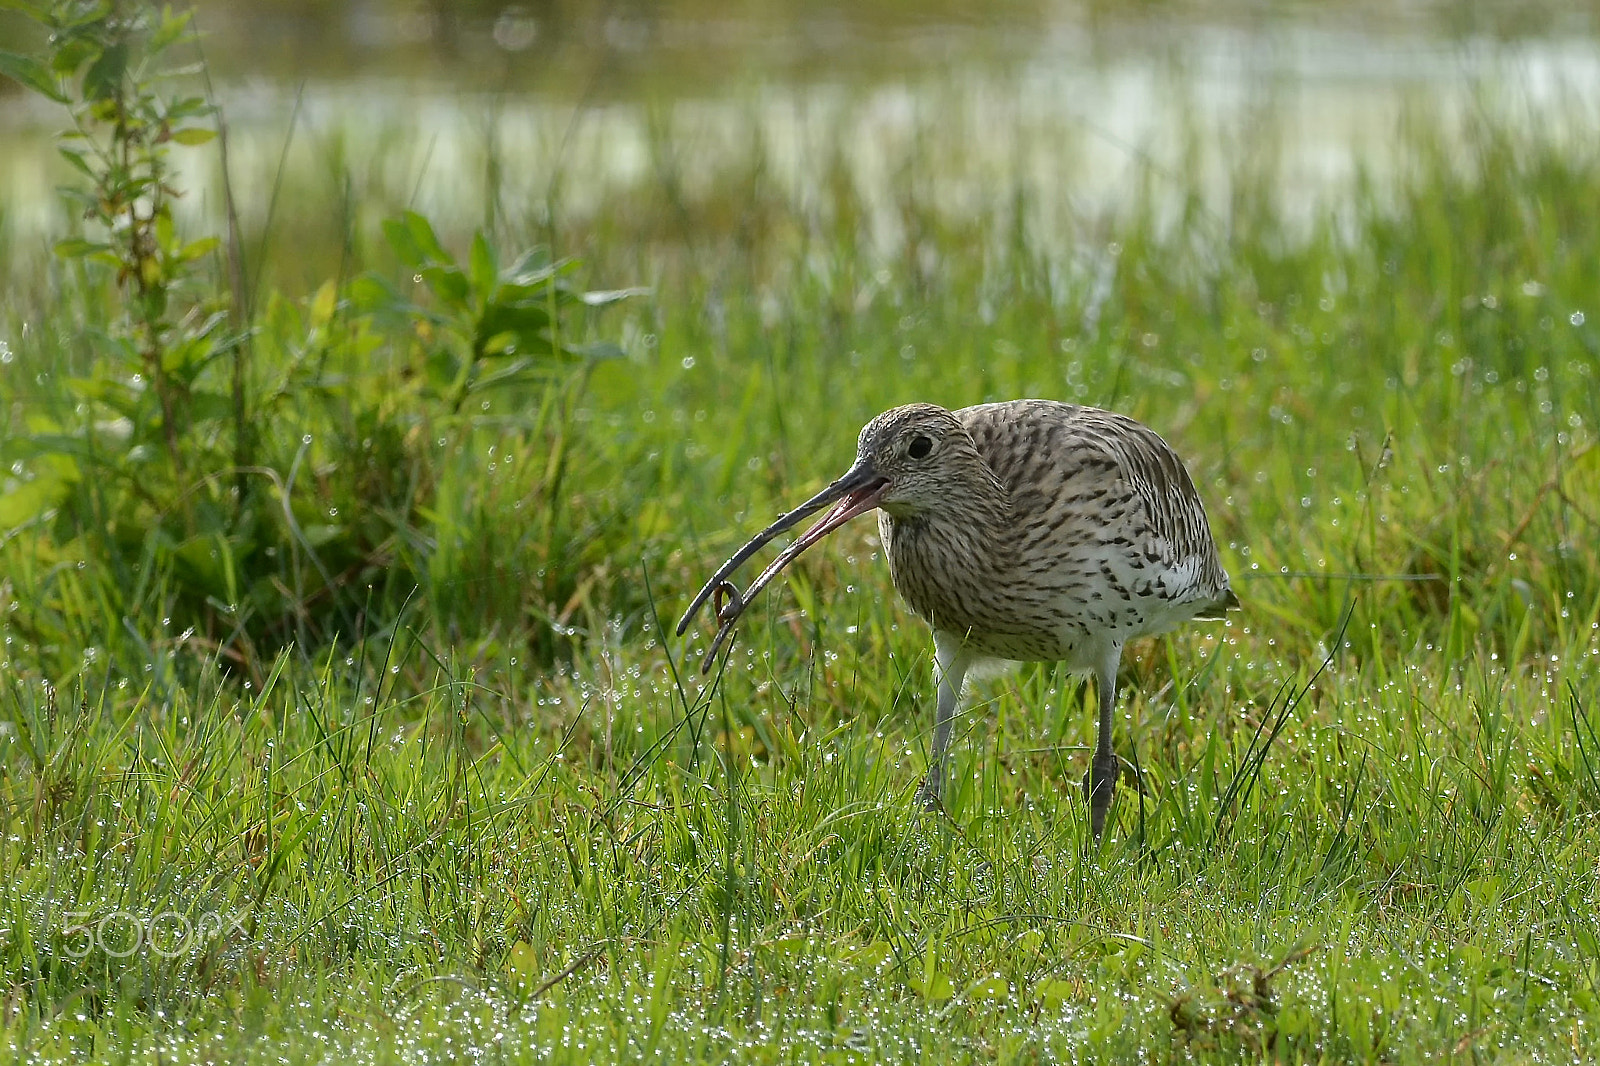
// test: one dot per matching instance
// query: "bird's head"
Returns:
(910, 461)
(922, 454)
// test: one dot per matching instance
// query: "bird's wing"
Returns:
(1172, 507)
(1111, 470)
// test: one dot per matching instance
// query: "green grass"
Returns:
(1370, 832)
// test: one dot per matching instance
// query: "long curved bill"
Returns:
(860, 490)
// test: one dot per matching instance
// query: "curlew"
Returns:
(1029, 530)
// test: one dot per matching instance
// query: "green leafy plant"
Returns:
(156, 406)
(487, 327)
(245, 477)
(107, 64)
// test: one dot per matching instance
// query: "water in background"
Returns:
(551, 108)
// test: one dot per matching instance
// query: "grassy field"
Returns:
(478, 807)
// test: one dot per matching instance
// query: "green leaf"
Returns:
(522, 962)
(521, 372)
(448, 284)
(531, 294)
(67, 56)
(104, 75)
(370, 294)
(404, 244)
(993, 988)
(873, 955)
(421, 231)
(32, 74)
(171, 29)
(77, 248)
(44, 445)
(596, 350)
(188, 107)
(198, 248)
(193, 135)
(527, 324)
(790, 949)
(498, 344)
(445, 371)
(73, 16)
(532, 265)
(74, 158)
(1054, 992)
(934, 986)
(602, 297)
(324, 304)
(482, 265)
(30, 500)
(115, 394)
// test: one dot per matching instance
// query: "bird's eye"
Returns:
(920, 447)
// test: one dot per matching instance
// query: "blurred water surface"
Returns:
(525, 112)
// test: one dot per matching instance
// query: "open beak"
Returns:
(860, 490)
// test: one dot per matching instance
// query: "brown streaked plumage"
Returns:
(1028, 530)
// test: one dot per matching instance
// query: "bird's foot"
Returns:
(1099, 785)
(928, 796)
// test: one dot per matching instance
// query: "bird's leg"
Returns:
(1100, 783)
(950, 670)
